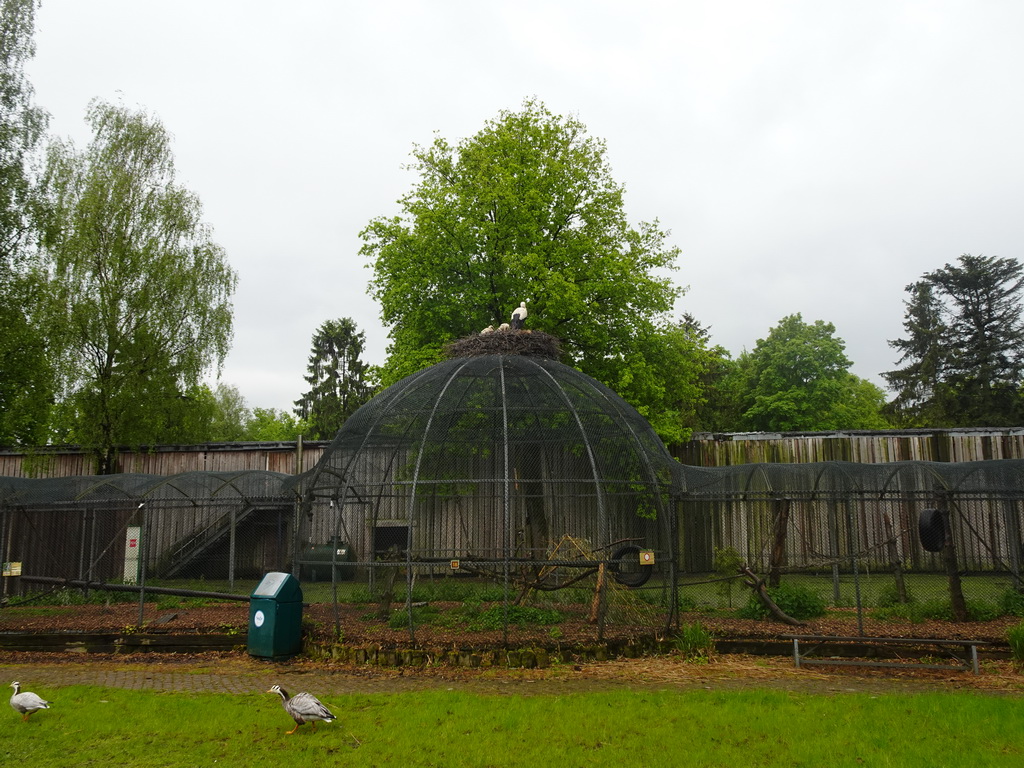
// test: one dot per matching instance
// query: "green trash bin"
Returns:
(275, 617)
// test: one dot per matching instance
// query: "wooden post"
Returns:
(597, 604)
(894, 557)
(778, 557)
(949, 559)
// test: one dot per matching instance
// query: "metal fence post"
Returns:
(143, 554)
(231, 548)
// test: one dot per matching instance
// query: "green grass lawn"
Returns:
(89, 726)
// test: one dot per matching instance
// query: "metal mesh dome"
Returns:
(496, 456)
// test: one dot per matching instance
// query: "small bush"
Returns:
(516, 615)
(727, 563)
(360, 595)
(442, 590)
(936, 610)
(982, 610)
(422, 614)
(72, 596)
(1011, 603)
(889, 596)
(799, 602)
(694, 642)
(687, 604)
(1015, 636)
(915, 613)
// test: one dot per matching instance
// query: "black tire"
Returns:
(626, 568)
(932, 529)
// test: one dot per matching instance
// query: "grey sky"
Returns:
(808, 156)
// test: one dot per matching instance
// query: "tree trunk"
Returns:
(757, 585)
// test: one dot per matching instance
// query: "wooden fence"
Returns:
(864, 447)
(704, 450)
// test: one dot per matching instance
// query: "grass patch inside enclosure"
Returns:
(103, 727)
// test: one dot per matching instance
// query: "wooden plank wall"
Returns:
(284, 457)
(704, 450)
(867, 447)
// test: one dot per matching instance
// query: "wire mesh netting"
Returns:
(510, 471)
(509, 500)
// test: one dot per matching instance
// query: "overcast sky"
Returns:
(807, 156)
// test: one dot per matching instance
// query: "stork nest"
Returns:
(506, 342)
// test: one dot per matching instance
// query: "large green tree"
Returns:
(141, 295)
(964, 346)
(798, 379)
(336, 376)
(921, 393)
(525, 210)
(26, 376)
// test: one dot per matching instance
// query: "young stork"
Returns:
(25, 703)
(303, 707)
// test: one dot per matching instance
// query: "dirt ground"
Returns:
(236, 672)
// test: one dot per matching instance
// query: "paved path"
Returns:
(240, 674)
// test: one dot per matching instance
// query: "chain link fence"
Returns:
(908, 540)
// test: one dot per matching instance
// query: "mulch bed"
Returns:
(358, 629)
(723, 671)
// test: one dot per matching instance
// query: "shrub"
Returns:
(694, 642)
(1011, 603)
(937, 610)
(727, 563)
(441, 590)
(422, 614)
(1015, 636)
(982, 610)
(799, 602)
(74, 596)
(889, 596)
(687, 604)
(517, 615)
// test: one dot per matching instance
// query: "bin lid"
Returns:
(281, 586)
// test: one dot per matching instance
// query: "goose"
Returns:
(303, 707)
(25, 703)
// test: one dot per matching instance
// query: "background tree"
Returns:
(337, 378)
(26, 376)
(230, 415)
(964, 346)
(525, 210)
(269, 425)
(920, 391)
(140, 293)
(716, 406)
(798, 379)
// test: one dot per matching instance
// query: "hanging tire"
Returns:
(626, 568)
(932, 529)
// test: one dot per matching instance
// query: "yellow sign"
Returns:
(646, 557)
(12, 569)
(455, 565)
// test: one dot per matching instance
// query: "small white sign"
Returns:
(258, 618)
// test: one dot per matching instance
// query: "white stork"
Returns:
(518, 316)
